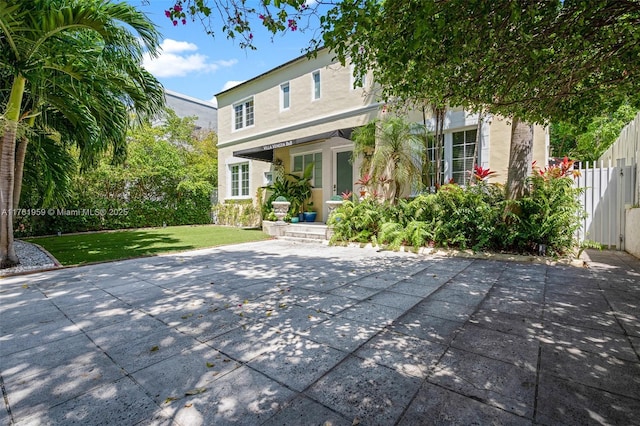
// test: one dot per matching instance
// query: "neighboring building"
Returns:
(305, 110)
(205, 112)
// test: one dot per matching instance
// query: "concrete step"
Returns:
(301, 227)
(303, 240)
(301, 233)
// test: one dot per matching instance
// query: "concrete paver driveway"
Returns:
(281, 333)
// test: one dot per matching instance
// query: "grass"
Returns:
(78, 249)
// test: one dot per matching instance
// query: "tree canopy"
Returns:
(72, 75)
(533, 61)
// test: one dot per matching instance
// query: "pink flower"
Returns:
(184, 21)
(261, 16)
(175, 23)
(167, 13)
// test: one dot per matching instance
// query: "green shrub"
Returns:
(474, 217)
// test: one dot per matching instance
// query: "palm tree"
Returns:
(75, 68)
(394, 161)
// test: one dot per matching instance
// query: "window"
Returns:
(432, 151)
(462, 149)
(300, 163)
(243, 114)
(284, 96)
(316, 84)
(268, 178)
(239, 180)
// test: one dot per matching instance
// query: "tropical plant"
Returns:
(75, 67)
(295, 188)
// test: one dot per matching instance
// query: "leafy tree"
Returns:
(166, 178)
(532, 61)
(588, 139)
(75, 76)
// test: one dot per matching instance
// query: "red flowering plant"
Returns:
(364, 183)
(480, 174)
(556, 171)
(346, 195)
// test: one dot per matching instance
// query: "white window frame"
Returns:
(451, 158)
(313, 175)
(285, 95)
(241, 180)
(243, 104)
(313, 85)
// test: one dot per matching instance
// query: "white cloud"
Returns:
(174, 46)
(231, 83)
(174, 62)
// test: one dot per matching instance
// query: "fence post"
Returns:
(620, 199)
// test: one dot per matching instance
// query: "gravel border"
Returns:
(32, 258)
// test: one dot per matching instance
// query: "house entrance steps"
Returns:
(305, 231)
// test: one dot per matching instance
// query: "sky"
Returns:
(199, 65)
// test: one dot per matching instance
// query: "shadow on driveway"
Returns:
(287, 333)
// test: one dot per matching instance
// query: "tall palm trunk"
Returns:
(520, 158)
(21, 153)
(8, 255)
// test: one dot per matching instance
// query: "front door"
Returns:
(343, 172)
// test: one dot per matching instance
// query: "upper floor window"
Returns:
(285, 99)
(239, 179)
(243, 114)
(316, 84)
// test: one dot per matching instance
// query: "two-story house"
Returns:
(305, 110)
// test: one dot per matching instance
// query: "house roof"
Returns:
(265, 152)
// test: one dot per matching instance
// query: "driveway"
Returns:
(282, 333)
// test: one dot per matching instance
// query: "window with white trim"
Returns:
(300, 163)
(239, 179)
(462, 149)
(432, 152)
(243, 114)
(316, 84)
(285, 96)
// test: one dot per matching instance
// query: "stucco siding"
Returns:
(337, 98)
(500, 145)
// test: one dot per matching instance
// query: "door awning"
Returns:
(265, 152)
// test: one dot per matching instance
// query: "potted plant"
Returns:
(310, 213)
(296, 189)
(280, 207)
(300, 190)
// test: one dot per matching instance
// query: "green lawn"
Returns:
(113, 245)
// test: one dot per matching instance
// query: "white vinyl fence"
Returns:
(611, 184)
(607, 189)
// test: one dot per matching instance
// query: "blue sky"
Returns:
(198, 65)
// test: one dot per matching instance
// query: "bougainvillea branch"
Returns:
(234, 18)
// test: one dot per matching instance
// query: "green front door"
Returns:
(344, 172)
